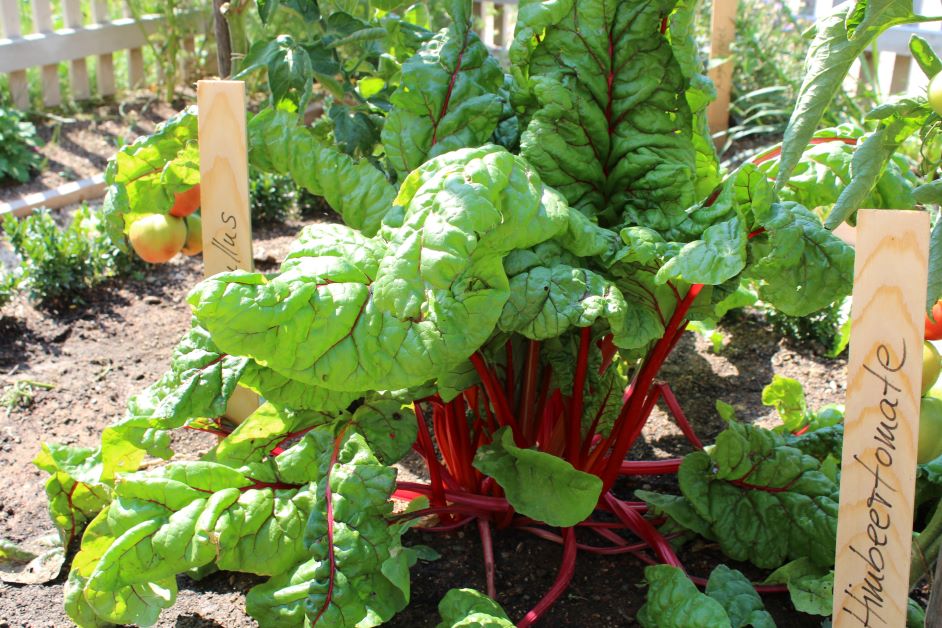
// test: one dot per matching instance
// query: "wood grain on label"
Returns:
(881, 425)
(224, 194)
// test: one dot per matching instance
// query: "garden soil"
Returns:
(97, 354)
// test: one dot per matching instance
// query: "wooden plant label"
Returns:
(881, 425)
(224, 194)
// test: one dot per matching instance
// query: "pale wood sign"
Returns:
(224, 194)
(881, 425)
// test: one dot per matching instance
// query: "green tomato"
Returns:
(931, 366)
(930, 430)
(935, 93)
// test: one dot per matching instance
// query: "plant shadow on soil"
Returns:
(98, 354)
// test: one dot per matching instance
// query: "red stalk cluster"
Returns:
(549, 420)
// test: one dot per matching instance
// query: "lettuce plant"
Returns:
(520, 252)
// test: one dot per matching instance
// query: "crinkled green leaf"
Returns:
(739, 598)
(608, 122)
(349, 313)
(285, 392)
(539, 485)
(810, 586)
(75, 490)
(184, 516)
(761, 499)
(821, 443)
(825, 169)
(258, 436)
(787, 396)
(344, 581)
(198, 385)
(546, 301)
(700, 93)
(389, 427)
(447, 99)
(673, 601)
(800, 266)
(467, 608)
(355, 189)
(717, 257)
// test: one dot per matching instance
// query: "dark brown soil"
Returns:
(98, 354)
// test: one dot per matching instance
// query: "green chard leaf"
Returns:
(700, 93)
(739, 598)
(347, 312)
(467, 608)
(799, 265)
(673, 602)
(355, 189)
(180, 517)
(608, 123)
(447, 99)
(810, 586)
(74, 489)
(787, 396)
(537, 484)
(354, 567)
(761, 499)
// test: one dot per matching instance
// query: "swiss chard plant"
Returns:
(521, 250)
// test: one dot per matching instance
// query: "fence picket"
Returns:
(508, 18)
(135, 58)
(78, 68)
(105, 73)
(42, 23)
(19, 87)
(487, 26)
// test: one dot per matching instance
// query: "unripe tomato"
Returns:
(194, 244)
(930, 430)
(931, 366)
(935, 93)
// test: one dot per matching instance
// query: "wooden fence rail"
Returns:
(46, 47)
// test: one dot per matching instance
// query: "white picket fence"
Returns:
(496, 23)
(893, 63)
(108, 29)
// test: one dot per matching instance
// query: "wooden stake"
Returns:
(881, 425)
(224, 194)
(722, 34)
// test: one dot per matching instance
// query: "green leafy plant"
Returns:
(57, 265)
(520, 253)
(19, 146)
(272, 197)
